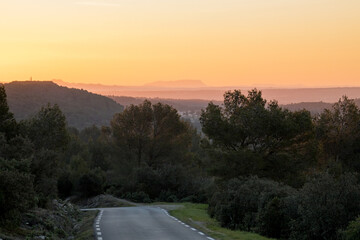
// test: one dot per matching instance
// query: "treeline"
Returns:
(261, 168)
(284, 174)
(147, 154)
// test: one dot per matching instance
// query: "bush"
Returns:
(243, 203)
(92, 183)
(139, 197)
(16, 190)
(352, 232)
(170, 183)
(326, 205)
(273, 220)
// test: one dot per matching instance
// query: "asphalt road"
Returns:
(150, 223)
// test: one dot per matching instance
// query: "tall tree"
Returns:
(16, 181)
(250, 136)
(8, 124)
(339, 132)
(132, 128)
(152, 133)
(47, 131)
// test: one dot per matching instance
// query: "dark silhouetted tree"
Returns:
(250, 136)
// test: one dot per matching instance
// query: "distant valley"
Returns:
(197, 90)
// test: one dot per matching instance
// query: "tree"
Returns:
(326, 205)
(47, 131)
(8, 124)
(250, 136)
(16, 188)
(132, 128)
(338, 129)
(151, 133)
(16, 181)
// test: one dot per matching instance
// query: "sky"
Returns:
(223, 43)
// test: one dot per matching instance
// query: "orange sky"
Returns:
(228, 42)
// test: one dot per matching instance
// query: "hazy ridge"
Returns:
(175, 91)
(81, 108)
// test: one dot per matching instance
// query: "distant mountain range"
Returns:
(81, 108)
(174, 90)
(314, 107)
(178, 84)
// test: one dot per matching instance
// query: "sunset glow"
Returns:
(229, 42)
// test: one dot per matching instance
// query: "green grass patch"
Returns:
(196, 215)
(86, 231)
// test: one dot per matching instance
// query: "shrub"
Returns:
(16, 190)
(170, 183)
(326, 205)
(273, 219)
(352, 231)
(139, 197)
(92, 183)
(245, 202)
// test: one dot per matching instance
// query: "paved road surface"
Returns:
(150, 223)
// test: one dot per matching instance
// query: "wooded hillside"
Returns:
(81, 108)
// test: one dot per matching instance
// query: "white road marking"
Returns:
(201, 233)
(97, 225)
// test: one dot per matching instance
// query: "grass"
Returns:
(86, 231)
(196, 216)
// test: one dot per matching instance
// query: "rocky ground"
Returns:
(60, 221)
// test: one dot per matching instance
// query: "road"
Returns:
(143, 222)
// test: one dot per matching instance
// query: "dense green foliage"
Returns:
(318, 210)
(318, 156)
(250, 137)
(147, 154)
(252, 204)
(81, 108)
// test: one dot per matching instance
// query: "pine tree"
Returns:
(8, 124)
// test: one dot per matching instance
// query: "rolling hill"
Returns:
(81, 108)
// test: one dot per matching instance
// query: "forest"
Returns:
(261, 168)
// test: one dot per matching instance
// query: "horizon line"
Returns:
(146, 85)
